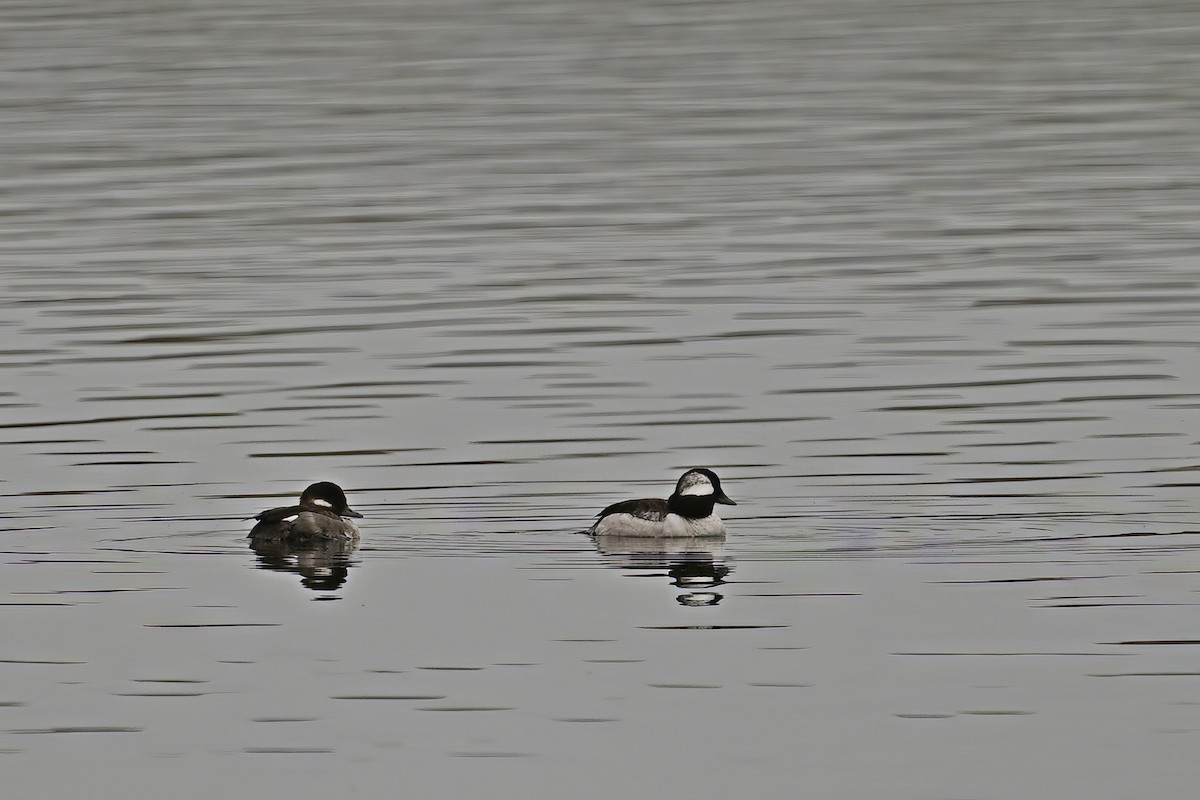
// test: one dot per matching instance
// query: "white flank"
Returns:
(671, 525)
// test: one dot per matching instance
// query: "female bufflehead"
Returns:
(320, 516)
(688, 512)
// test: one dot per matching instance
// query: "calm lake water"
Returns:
(920, 281)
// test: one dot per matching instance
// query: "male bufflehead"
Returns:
(688, 512)
(320, 516)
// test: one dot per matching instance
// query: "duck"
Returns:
(322, 515)
(687, 512)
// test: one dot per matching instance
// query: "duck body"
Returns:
(689, 512)
(322, 515)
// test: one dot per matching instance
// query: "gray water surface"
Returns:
(920, 281)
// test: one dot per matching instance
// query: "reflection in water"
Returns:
(692, 564)
(323, 565)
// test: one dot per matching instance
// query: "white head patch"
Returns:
(319, 502)
(696, 483)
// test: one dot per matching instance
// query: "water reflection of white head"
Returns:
(692, 564)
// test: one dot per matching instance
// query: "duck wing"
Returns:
(280, 514)
(649, 508)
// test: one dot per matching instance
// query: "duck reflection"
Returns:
(323, 564)
(697, 565)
